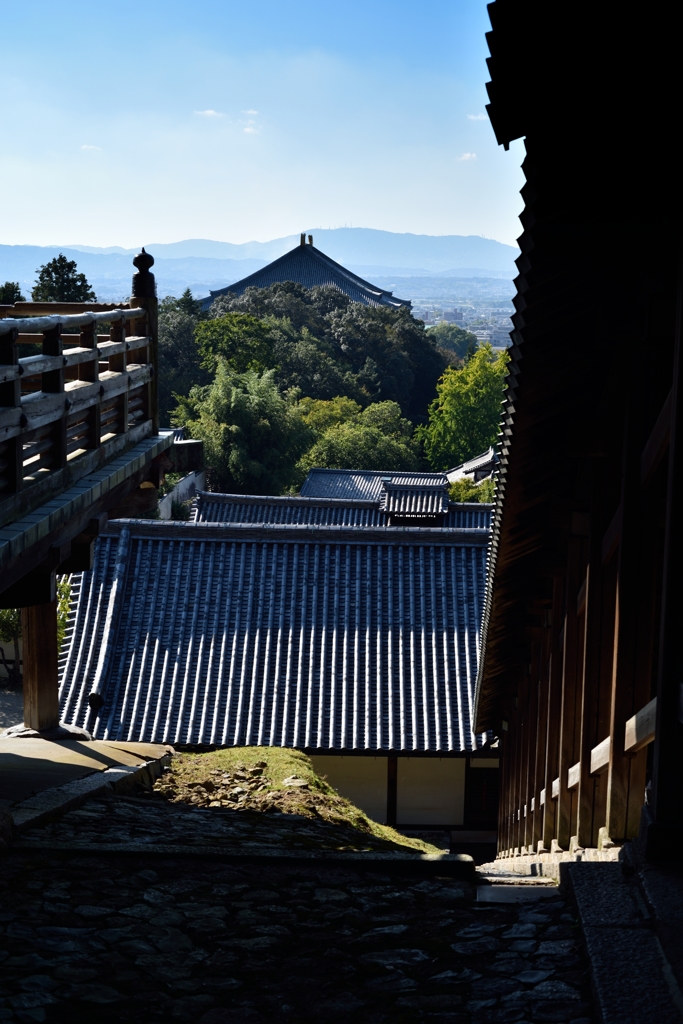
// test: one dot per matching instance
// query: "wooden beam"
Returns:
(37, 587)
(600, 756)
(40, 655)
(640, 730)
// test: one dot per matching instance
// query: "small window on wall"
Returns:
(481, 793)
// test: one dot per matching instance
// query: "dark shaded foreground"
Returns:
(86, 936)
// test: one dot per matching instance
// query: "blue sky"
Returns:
(153, 121)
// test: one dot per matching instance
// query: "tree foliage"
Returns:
(326, 345)
(377, 437)
(453, 339)
(466, 489)
(243, 340)
(180, 359)
(59, 281)
(465, 415)
(10, 292)
(253, 433)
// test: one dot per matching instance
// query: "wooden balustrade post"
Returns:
(91, 372)
(145, 297)
(11, 450)
(40, 656)
(119, 364)
(52, 384)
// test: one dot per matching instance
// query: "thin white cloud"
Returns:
(208, 113)
(97, 149)
(477, 117)
(251, 129)
(253, 113)
(468, 156)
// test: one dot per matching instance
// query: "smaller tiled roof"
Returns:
(310, 267)
(366, 484)
(413, 500)
(247, 509)
(478, 467)
(322, 638)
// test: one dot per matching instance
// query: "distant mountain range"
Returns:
(202, 264)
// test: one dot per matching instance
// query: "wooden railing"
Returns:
(78, 401)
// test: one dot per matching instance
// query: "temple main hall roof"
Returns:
(310, 267)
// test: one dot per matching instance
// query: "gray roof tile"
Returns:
(313, 637)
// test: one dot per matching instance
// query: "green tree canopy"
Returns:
(10, 292)
(355, 446)
(467, 490)
(320, 415)
(465, 415)
(58, 281)
(253, 434)
(454, 339)
(243, 340)
(326, 345)
(180, 365)
(377, 437)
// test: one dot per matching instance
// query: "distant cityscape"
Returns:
(492, 324)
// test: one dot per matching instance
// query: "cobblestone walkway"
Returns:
(147, 938)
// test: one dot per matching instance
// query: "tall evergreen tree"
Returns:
(58, 281)
(10, 292)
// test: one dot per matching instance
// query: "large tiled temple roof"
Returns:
(318, 637)
(310, 267)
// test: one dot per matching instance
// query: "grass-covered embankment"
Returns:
(273, 780)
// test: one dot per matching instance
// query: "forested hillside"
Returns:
(284, 378)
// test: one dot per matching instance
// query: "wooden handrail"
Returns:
(40, 324)
(600, 756)
(640, 730)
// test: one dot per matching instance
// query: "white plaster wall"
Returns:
(430, 790)
(362, 780)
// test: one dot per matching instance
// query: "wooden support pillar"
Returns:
(665, 831)
(630, 688)
(590, 689)
(392, 788)
(554, 705)
(532, 744)
(541, 729)
(570, 671)
(40, 654)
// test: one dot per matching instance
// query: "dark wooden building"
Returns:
(581, 672)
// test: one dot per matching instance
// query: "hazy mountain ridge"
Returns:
(363, 246)
(203, 264)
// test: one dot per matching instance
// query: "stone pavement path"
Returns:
(145, 938)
